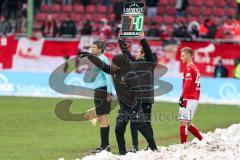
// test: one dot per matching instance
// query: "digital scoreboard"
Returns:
(133, 19)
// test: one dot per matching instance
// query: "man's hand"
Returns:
(120, 35)
(141, 36)
(181, 102)
(109, 97)
(82, 54)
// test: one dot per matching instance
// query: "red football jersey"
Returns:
(191, 82)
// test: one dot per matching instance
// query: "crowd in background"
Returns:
(13, 19)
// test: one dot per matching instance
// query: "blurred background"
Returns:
(39, 35)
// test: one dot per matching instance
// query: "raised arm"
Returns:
(147, 50)
(96, 61)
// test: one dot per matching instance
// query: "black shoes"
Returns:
(134, 149)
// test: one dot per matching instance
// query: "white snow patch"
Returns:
(222, 144)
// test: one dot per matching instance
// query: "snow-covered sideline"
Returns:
(222, 144)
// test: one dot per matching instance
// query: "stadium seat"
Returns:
(110, 9)
(232, 3)
(44, 8)
(179, 19)
(75, 17)
(158, 19)
(88, 16)
(78, 8)
(147, 20)
(161, 10)
(209, 3)
(169, 20)
(196, 3)
(206, 11)
(63, 17)
(55, 8)
(101, 9)
(37, 25)
(171, 11)
(220, 4)
(230, 12)
(195, 11)
(90, 9)
(55, 15)
(218, 12)
(171, 2)
(111, 17)
(163, 3)
(41, 16)
(67, 8)
(98, 17)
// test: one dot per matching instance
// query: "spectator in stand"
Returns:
(153, 30)
(117, 28)
(1, 6)
(236, 73)
(37, 4)
(237, 30)
(106, 2)
(23, 11)
(193, 30)
(181, 6)
(105, 29)
(68, 28)
(49, 27)
(66, 64)
(5, 26)
(48, 2)
(180, 30)
(86, 2)
(203, 30)
(21, 24)
(66, 2)
(220, 70)
(12, 9)
(118, 10)
(212, 29)
(152, 8)
(163, 31)
(238, 9)
(87, 28)
(228, 27)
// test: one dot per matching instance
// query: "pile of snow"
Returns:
(223, 144)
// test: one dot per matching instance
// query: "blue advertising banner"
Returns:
(213, 90)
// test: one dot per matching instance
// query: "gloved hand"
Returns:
(181, 102)
(82, 54)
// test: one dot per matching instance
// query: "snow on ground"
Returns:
(223, 144)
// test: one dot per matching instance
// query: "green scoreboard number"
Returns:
(133, 19)
(133, 23)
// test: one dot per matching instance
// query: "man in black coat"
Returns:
(125, 80)
(143, 55)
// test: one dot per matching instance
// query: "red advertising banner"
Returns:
(207, 55)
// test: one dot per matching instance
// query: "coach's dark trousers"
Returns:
(138, 119)
(147, 109)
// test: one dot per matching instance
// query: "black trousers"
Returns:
(138, 119)
(147, 109)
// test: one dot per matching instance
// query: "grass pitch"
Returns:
(30, 129)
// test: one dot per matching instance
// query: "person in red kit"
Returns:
(188, 101)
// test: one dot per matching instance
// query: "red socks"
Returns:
(183, 134)
(195, 132)
(192, 129)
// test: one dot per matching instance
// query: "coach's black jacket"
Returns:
(120, 80)
(147, 66)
